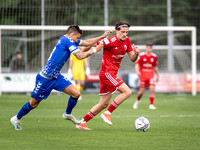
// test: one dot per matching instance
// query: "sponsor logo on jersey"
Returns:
(71, 48)
(118, 56)
(113, 39)
(147, 65)
(106, 41)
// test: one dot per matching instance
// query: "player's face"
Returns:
(76, 36)
(149, 49)
(122, 33)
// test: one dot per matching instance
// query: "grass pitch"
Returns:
(175, 124)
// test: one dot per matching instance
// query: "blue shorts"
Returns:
(44, 86)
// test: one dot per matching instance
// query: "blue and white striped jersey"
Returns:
(60, 54)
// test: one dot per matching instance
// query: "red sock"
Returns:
(151, 98)
(112, 106)
(139, 96)
(88, 116)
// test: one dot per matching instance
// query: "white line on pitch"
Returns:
(162, 116)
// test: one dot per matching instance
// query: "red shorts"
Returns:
(109, 83)
(148, 82)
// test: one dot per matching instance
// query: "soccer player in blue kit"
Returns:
(50, 78)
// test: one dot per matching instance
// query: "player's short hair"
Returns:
(74, 29)
(149, 44)
(120, 24)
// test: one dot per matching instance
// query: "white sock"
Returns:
(67, 114)
(16, 119)
(83, 121)
(107, 112)
(138, 101)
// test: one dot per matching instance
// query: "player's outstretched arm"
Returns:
(82, 54)
(95, 40)
(86, 48)
(133, 55)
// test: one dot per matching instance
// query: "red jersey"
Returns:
(147, 64)
(113, 53)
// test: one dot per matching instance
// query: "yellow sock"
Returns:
(77, 86)
(80, 88)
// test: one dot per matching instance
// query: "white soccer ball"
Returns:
(142, 124)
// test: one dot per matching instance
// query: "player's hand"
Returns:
(157, 79)
(138, 73)
(99, 47)
(107, 33)
(136, 49)
(87, 71)
(69, 73)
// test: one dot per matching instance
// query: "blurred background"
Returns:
(172, 48)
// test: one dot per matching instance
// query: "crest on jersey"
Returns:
(151, 59)
(125, 47)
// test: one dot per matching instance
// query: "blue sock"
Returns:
(71, 104)
(24, 110)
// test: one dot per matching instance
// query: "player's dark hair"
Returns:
(149, 44)
(18, 52)
(74, 29)
(120, 24)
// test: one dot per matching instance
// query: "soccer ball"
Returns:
(142, 124)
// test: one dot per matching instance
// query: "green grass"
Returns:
(175, 125)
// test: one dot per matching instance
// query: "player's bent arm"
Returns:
(81, 54)
(95, 40)
(133, 56)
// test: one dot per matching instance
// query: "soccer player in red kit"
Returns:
(145, 67)
(114, 51)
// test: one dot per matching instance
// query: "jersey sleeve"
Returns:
(72, 47)
(155, 62)
(78, 42)
(106, 42)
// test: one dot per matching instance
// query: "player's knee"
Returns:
(128, 93)
(77, 94)
(34, 104)
(103, 105)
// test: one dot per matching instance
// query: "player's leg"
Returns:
(103, 103)
(125, 92)
(41, 91)
(81, 87)
(142, 86)
(26, 108)
(74, 95)
(151, 97)
(81, 82)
